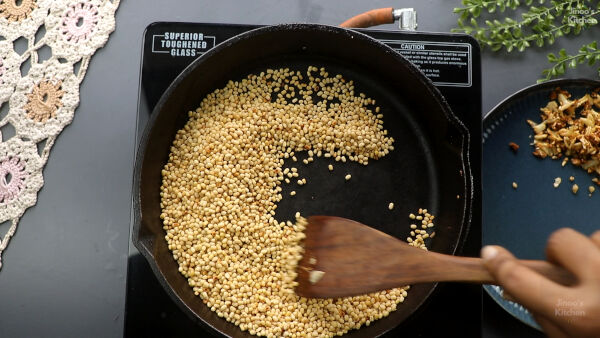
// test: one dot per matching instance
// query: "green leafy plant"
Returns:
(538, 25)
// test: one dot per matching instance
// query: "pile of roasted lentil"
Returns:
(222, 183)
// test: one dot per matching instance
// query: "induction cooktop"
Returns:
(451, 61)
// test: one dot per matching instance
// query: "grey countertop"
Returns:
(64, 271)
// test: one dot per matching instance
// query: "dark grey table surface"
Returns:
(64, 271)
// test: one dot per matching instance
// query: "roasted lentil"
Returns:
(222, 183)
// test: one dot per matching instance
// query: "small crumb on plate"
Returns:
(557, 182)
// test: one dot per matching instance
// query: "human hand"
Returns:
(562, 311)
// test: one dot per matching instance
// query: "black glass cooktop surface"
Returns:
(451, 61)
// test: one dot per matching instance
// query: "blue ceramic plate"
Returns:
(522, 219)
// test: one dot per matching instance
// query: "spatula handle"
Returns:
(469, 269)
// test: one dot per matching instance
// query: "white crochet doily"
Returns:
(41, 95)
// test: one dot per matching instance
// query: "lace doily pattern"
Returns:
(41, 95)
(17, 12)
(44, 100)
(9, 70)
(20, 180)
(78, 28)
(22, 18)
(20, 177)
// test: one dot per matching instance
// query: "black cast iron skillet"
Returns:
(429, 167)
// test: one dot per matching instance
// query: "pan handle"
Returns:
(407, 18)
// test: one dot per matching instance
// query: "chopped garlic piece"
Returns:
(315, 276)
(557, 182)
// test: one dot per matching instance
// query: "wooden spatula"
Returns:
(346, 258)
